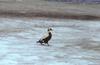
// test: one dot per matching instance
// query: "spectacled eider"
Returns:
(46, 38)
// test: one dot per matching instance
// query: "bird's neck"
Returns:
(49, 33)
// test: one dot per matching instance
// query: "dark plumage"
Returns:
(46, 38)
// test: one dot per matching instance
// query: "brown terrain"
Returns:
(43, 8)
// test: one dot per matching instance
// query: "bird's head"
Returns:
(49, 29)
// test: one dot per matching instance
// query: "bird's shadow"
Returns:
(44, 44)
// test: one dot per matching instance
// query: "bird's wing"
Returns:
(45, 36)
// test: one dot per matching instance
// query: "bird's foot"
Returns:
(48, 45)
(41, 43)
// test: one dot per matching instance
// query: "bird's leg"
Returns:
(41, 43)
(47, 44)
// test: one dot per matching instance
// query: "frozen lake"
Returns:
(74, 42)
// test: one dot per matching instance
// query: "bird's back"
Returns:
(47, 38)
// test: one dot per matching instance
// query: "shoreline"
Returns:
(49, 15)
(42, 8)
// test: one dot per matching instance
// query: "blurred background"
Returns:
(76, 32)
(51, 8)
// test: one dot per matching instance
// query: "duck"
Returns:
(45, 39)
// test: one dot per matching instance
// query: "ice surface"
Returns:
(74, 42)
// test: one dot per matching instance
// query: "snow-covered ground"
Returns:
(74, 42)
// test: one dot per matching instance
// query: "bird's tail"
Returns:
(37, 42)
(40, 41)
